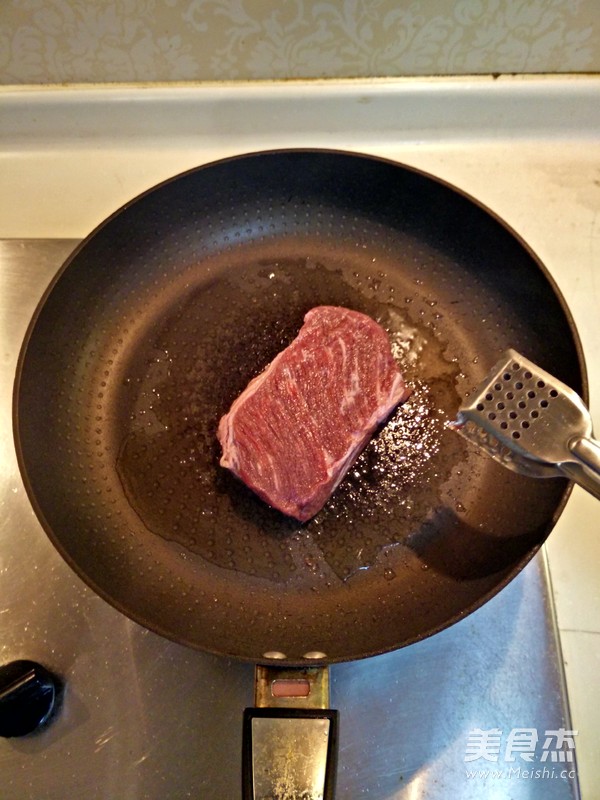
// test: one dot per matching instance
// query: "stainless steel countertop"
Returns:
(142, 717)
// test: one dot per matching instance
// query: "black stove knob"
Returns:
(27, 697)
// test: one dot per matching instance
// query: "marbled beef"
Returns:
(295, 430)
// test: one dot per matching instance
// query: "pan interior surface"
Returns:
(159, 321)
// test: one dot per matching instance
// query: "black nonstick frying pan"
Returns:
(164, 313)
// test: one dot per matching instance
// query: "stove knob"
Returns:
(27, 697)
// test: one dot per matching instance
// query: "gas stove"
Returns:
(478, 711)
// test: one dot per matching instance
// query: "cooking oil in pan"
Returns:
(202, 355)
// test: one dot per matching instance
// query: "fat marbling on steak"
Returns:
(296, 429)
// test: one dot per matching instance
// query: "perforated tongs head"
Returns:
(530, 422)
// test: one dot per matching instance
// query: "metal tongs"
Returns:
(530, 422)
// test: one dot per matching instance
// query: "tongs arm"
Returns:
(585, 469)
(587, 451)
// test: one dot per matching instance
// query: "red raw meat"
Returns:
(296, 429)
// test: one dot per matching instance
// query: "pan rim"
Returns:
(160, 630)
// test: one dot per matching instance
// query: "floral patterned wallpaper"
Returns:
(50, 41)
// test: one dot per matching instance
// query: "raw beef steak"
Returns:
(295, 430)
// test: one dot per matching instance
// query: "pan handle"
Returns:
(290, 737)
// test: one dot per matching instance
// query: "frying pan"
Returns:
(163, 314)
